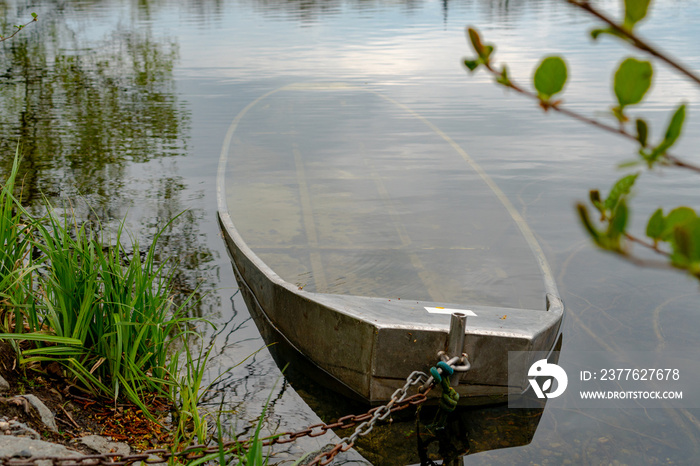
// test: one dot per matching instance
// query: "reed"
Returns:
(104, 311)
(190, 422)
(188, 372)
(254, 454)
(16, 270)
(118, 304)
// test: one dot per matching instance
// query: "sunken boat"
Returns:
(356, 228)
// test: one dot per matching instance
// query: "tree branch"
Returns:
(647, 245)
(19, 28)
(635, 40)
(618, 130)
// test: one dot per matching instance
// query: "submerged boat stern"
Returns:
(491, 337)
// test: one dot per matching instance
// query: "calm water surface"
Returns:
(123, 106)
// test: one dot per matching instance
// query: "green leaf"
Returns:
(656, 225)
(504, 79)
(34, 15)
(43, 337)
(635, 11)
(585, 219)
(693, 231)
(681, 246)
(594, 196)
(675, 126)
(50, 351)
(686, 245)
(620, 189)
(676, 219)
(618, 222)
(484, 51)
(478, 46)
(642, 132)
(632, 81)
(475, 39)
(595, 33)
(472, 64)
(628, 164)
(673, 132)
(550, 77)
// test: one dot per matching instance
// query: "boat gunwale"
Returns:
(540, 327)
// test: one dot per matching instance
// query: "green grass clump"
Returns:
(103, 311)
(114, 310)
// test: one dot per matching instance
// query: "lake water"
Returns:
(123, 107)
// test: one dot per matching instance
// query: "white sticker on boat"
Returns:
(444, 310)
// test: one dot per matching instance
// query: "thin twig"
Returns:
(19, 28)
(63, 421)
(671, 160)
(647, 245)
(555, 106)
(69, 417)
(635, 40)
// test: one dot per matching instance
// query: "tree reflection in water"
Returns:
(99, 127)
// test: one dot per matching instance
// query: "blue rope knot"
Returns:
(436, 375)
(445, 367)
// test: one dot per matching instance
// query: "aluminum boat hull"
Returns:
(368, 345)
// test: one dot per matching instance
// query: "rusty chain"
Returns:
(195, 452)
(399, 401)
